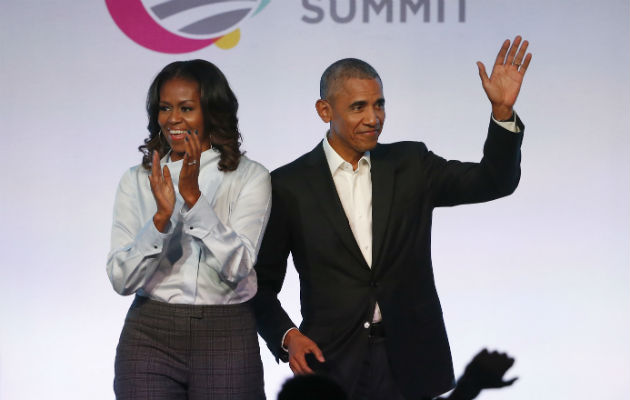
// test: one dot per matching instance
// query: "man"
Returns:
(356, 217)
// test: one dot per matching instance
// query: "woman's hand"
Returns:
(163, 192)
(189, 175)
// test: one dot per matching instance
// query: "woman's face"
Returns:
(180, 112)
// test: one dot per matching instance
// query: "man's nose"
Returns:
(371, 118)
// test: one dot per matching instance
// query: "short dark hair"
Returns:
(344, 69)
(218, 105)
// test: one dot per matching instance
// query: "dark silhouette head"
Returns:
(311, 387)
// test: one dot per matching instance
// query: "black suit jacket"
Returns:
(338, 288)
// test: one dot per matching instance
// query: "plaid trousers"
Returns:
(181, 351)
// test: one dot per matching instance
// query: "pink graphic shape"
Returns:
(132, 18)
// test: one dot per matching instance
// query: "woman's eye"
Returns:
(163, 108)
(186, 108)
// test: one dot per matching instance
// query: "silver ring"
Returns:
(194, 162)
(517, 65)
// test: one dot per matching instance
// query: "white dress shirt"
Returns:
(208, 252)
(354, 188)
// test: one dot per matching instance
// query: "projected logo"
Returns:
(182, 26)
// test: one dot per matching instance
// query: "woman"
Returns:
(187, 227)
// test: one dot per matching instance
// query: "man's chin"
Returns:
(368, 145)
(370, 148)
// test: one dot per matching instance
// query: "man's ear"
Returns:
(324, 110)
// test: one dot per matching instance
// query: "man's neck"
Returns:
(352, 159)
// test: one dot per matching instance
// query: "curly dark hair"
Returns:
(219, 107)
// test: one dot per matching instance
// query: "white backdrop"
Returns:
(542, 274)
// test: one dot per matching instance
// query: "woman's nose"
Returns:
(174, 116)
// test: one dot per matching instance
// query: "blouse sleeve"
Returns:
(136, 245)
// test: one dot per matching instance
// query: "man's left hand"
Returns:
(504, 84)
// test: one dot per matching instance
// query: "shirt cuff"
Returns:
(200, 219)
(510, 124)
(150, 240)
(284, 336)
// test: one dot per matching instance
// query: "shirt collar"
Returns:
(334, 159)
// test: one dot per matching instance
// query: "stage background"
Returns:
(542, 274)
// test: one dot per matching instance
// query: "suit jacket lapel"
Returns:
(320, 181)
(382, 191)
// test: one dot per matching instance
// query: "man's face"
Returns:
(356, 113)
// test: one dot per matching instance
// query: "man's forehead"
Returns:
(357, 87)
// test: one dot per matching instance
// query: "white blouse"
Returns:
(208, 253)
